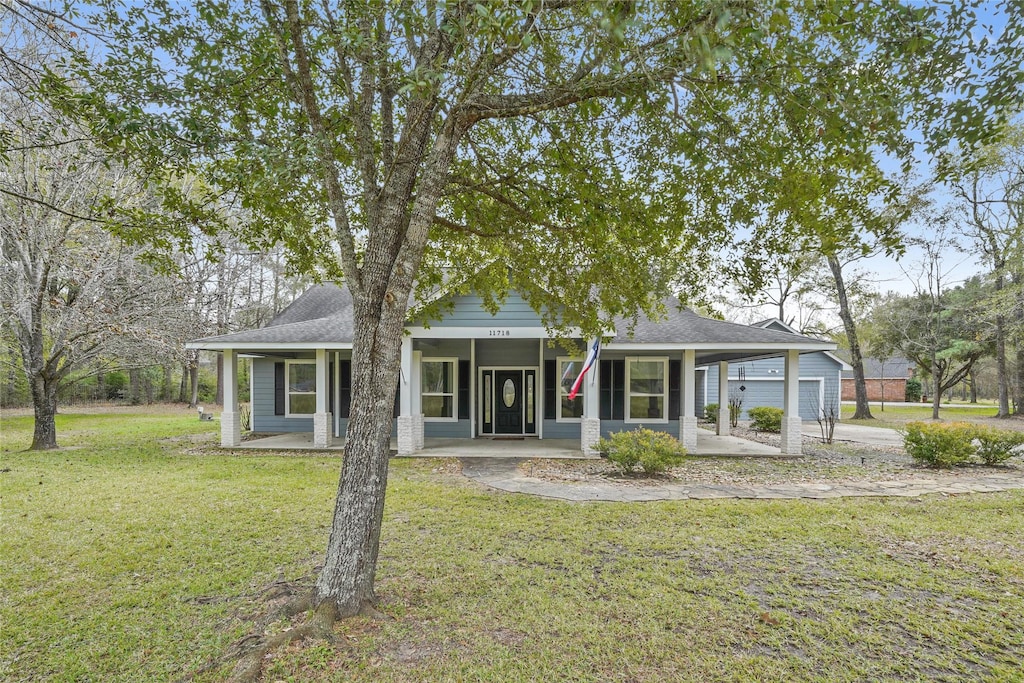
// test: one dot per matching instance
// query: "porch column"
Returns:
(230, 419)
(321, 418)
(590, 424)
(416, 391)
(723, 398)
(406, 418)
(472, 388)
(538, 389)
(688, 420)
(791, 423)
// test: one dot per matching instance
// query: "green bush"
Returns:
(996, 445)
(653, 451)
(912, 392)
(711, 413)
(940, 444)
(766, 419)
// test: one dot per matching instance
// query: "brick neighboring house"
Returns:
(885, 380)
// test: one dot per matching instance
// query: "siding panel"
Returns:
(263, 417)
(468, 311)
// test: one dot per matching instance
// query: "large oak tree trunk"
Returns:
(863, 409)
(345, 585)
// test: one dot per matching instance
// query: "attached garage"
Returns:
(768, 392)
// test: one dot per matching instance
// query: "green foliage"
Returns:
(912, 394)
(942, 444)
(558, 176)
(953, 443)
(653, 451)
(997, 445)
(766, 418)
(711, 413)
(245, 416)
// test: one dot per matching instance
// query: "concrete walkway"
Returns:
(504, 474)
(708, 443)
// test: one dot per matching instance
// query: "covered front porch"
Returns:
(708, 444)
(478, 380)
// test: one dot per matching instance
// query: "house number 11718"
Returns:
(500, 333)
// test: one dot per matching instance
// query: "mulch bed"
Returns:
(820, 463)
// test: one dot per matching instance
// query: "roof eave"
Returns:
(265, 346)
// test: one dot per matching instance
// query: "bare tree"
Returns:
(72, 293)
(990, 188)
(935, 327)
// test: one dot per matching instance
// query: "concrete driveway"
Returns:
(871, 436)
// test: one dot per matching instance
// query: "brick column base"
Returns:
(590, 433)
(407, 434)
(722, 428)
(230, 429)
(688, 432)
(792, 440)
(321, 430)
(418, 431)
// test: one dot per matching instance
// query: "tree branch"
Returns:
(325, 154)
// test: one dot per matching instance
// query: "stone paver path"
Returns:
(504, 474)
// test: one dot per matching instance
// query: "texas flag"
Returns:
(595, 351)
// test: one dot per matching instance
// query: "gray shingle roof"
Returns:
(683, 326)
(893, 368)
(323, 315)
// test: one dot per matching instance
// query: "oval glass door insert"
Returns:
(508, 393)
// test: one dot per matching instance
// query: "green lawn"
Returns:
(895, 415)
(136, 553)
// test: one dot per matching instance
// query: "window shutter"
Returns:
(618, 390)
(397, 410)
(330, 388)
(464, 376)
(606, 390)
(550, 394)
(345, 386)
(279, 386)
(675, 369)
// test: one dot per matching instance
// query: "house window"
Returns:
(301, 392)
(437, 388)
(568, 370)
(647, 389)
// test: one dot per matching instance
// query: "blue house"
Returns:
(474, 375)
(759, 381)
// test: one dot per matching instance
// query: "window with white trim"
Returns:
(437, 388)
(568, 370)
(646, 389)
(300, 397)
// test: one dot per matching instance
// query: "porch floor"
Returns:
(708, 444)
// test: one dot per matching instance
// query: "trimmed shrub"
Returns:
(940, 444)
(653, 451)
(766, 419)
(711, 413)
(912, 392)
(996, 445)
